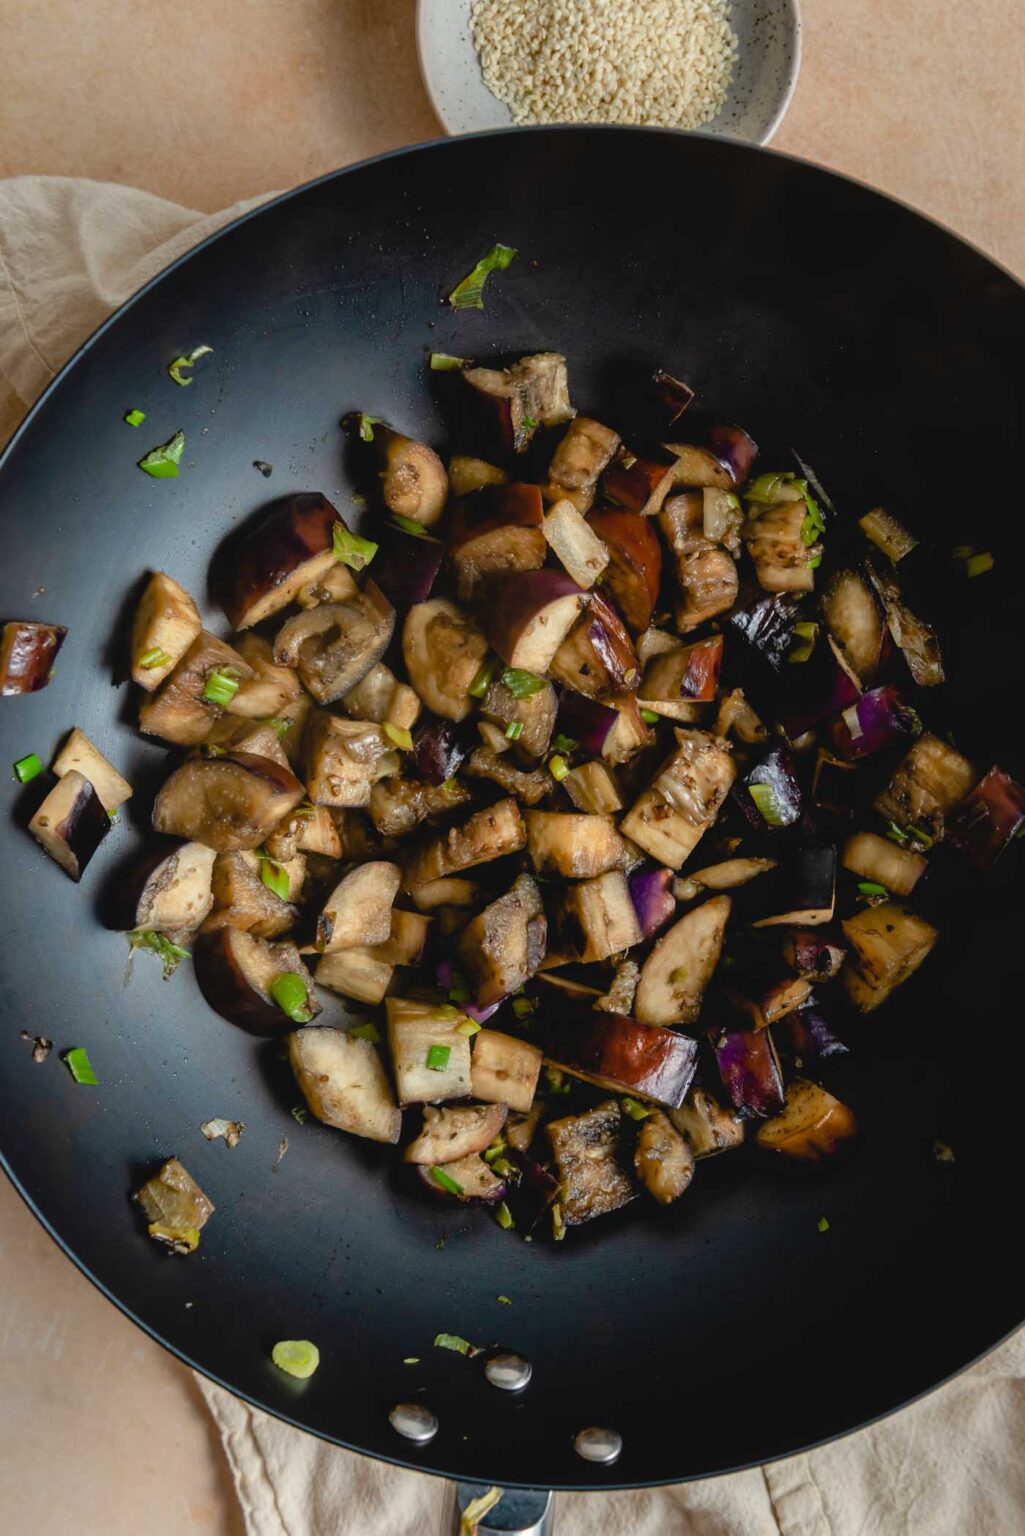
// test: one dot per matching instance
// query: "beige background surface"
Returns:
(210, 102)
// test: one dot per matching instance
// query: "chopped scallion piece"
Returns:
(300, 1114)
(503, 1167)
(163, 463)
(764, 797)
(469, 294)
(529, 424)
(504, 1301)
(398, 736)
(176, 369)
(368, 1031)
(27, 768)
(81, 1068)
(558, 1225)
(366, 426)
(160, 945)
(978, 565)
(523, 1007)
(468, 1028)
(556, 1080)
(351, 550)
(565, 744)
(649, 717)
(437, 1057)
(452, 1340)
(634, 1110)
(804, 643)
(357, 500)
(289, 992)
(280, 725)
(485, 674)
(153, 658)
(522, 684)
(872, 888)
(296, 1357)
(765, 488)
(823, 1224)
(274, 877)
(815, 561)
(514, 730)
(814, 523)
(503, 1216)
(135, 418)
(558, 767)
(446, 1181)
(495, 1150)
(409, 525)
(411, 1360)
(444, 362)
(221, 686)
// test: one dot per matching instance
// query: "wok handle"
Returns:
(520, 1511)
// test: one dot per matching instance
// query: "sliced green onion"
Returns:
(823, 1224)
(634, 1110)
(804, 644)
(446, 1181)
(289, 992)
(469, 294)
(814, 523)
(504, 1217)
(300, 1114)
(274, 877)
(81, 1068)
(764, 797)
(495, 1150)
(366, 426)
(558, 1225)
(529, 423)
(452, 1340)
(176, 368)
(815, 561)
(523, 1007)
(505, 1301)
(909, 837)
(444, 362)
(398, 736)
(556, 1080)
(368, 1031)
(135, 418)
(765, 488)
(485, 675)
(437, 1057)
(503, 1167)
(160, 945)
(409, 525)
(153, 658)
(357, 500)
(978, 565)
(522, 684)
(475, 1511)
(872, 888)
(558, 767)
(350, 549)
(468, 1028)
(514, 730)
(280, 725)
(27, 768)
(963, 551)
(221, 686)
(296, 1357)
(563, 743)
(649, 717)
(411, 1360)
(163, 462)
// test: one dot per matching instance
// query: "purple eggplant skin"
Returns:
(406, 567)
(822, 689)
(673, 395)
(439, 751)
(749, 1069)
(533, 1193)
(445, 974)
(734, 448)
(778, 772)
(878, 719)
(586, 721)
(989, 818)
(27, 654)
(767, 624)
(651, 891)
(815, 954)
(811, 1036)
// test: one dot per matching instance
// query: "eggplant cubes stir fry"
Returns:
(596, 793)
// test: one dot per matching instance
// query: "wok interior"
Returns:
(726, 1330)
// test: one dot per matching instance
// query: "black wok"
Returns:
(728, 1330)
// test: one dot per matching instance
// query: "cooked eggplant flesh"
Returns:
(928, 783)
(343, 1081)
(166, 623)
(236, 971)
(663, 1160)
(501, 948)
(344, 759)
(708, 1127)
(334, 645)
(486, 835)
(80, 753)
(622, 1054)
(456, 1131)
(228, 802)
(590, 1163)
(175, 1207)
(676, 974)
(359, 909)
(71, 823)
(505, 1069)
(596, 918)
(812, 1125)
(177, 892)
(430, 1058)
(887, 945)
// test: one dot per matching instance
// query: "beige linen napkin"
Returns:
(70, 251)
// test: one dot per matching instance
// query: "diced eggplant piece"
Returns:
(767, 625)
(520, 1130)
(596, 918)
(731, 873)
(834, 784)
(495, 534)
(178, 711)
(529, 788)
(535, 713)
(241, 900)
(773, 541)
(586, 720)
(812, 1126)
(413, 479)
(78, 752)
(574, 544)
(592, 787)
(420, 1033)
(379, 696)
(503, 946)
(406, 566)
(663, 1161)
(651, 891)
(175, 1207)
(766, 995)
(705, 572)
(989, 819)
(398, 805)
(488, 834)
(811, 1035)
(359, 909)
(708, 1127)
(736, 715)
(227, 802)
(27, 654)
(476, 1182)
(677, 972)
(813, 955)
(769, 794)
(532, 393)
(344, 759)
(655, 642)
(271, 690)
(590, 1163)
(626, 1056)
(888, 943)
(361, 973)
(344, 1083)
(689, 675)
(802, 891)
(172, 892)
(855, 624)
(467, 474)
(634, 573)
(449, 893)
(722, 518)
(438, 751)
(165, 625)
(261, 570)
(309, 829)
(531, 617)
(698, 467)
(443, 650)
(579, 460)
(334, 645)
(336, 585)
(71, 823)
(455, 1132)
(620, 996)
(236, 971)
(505, 1070)
(408, 938)
(916, 639)
(749, 1068)
(929, 782)
(884, 863)
(668, 819)
(568, 993)
(577, 846)
(734, 448)
(234, 733)
(878, 719)
(638, 485)
(673, 395)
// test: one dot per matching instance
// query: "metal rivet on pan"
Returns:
(414, 1422)
(511, 1373)
(600, 1445)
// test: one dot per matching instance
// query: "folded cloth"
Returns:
(70, 252)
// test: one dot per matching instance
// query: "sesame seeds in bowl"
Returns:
(722, 66)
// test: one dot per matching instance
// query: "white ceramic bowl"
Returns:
(768, 60)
